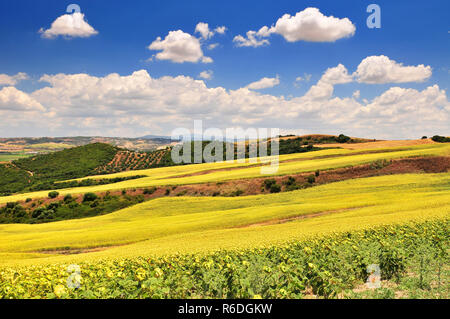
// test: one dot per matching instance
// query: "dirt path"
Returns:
(299, 217)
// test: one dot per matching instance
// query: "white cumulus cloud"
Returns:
(308, 25)
(203, 29)
(264, 83)
(381, 69)
(12, 99)
(325, 86)
(221, 30)
(135, 104)
(206, 33)
(69, 25)
(6, 79)
(252, 40)
(179, 47)
(207, 75)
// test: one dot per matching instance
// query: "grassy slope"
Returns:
(43, 169)
(69, 163)
(170, 225)
(289, 164)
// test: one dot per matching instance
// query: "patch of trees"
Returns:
(70, 163)
(291, 184)
(441, 139)
(343, 139)
(68, 208)
(288, 146)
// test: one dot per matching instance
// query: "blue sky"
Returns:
(413, 33)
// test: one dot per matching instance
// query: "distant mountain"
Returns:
(50, 144)
(154, 137)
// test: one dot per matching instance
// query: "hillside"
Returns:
(40, 172)
(47, 168)
(70, 163)
(326, 139)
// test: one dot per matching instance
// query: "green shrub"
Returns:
(343, 138)
(237, 192)
(11, 205)
(269, 182)
(311, 179)
(182, 193)
(67, 198)
(275, 188)
(290, 181)
(53, 194)
(89, 197)
(149, 191)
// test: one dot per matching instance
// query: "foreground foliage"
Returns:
(412, 255)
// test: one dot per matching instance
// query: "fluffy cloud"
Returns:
(396, 105)
(311, 25)
(252, 40)
(325, 86)
(264, 83)
(336, 75)
(137, 104)
(307, 25)
(206, 33)
(206, 74)
(179, 47)
(203, 29)
(381, 69)
(221, 29)
(12, 99)
(6, 79)
(69, 25)
(212, 46)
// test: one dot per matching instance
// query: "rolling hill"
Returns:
(333, 212)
